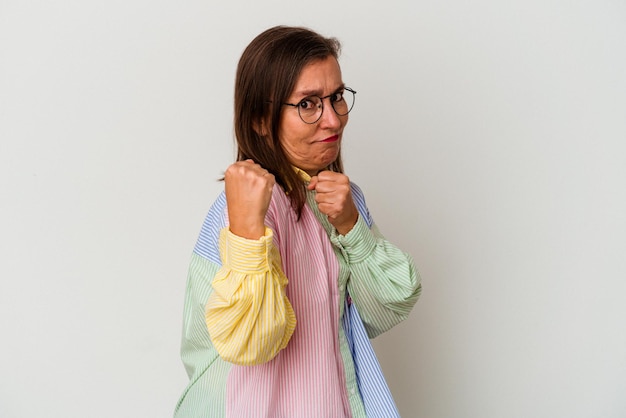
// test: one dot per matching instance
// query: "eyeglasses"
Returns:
(311, 108)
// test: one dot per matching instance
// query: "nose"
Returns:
(330, 119)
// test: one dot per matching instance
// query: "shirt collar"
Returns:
(303, 174)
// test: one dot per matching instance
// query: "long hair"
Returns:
(266, 75)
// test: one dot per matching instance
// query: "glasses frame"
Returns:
(332, 104)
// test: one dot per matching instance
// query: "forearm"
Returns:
(248, 315)
(384, 283)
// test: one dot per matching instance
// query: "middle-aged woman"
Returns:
(290, 277)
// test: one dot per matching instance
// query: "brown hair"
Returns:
(266, 75)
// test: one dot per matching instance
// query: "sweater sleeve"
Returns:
(384, 283)
(248, 315)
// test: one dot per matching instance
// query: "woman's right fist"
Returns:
(248, 189)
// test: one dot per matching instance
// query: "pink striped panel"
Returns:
(307, 378)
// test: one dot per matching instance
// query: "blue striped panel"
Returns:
(207, 245)
(375, 393)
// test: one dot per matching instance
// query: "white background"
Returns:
(488, 136)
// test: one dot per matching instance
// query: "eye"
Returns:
(337, 97)
(308, 103)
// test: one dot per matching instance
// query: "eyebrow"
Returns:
(317, 92)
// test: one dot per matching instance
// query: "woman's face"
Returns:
(312, 147)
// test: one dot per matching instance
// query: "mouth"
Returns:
(333, 138)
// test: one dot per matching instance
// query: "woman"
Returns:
(289, 272)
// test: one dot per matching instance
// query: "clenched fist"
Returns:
(248, 189)
(334, 199)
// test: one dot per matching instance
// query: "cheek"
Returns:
(296, 137)
(288, 132)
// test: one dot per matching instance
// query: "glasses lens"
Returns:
(310, 109)
(343, 102)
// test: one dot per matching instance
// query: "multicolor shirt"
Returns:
(266, 327)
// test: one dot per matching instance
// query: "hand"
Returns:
(248, 189)
(334, 199)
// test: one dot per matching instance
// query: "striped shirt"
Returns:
(280, 327)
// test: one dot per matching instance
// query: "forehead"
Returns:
(319, 77)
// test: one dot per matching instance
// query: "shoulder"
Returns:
(208, 240)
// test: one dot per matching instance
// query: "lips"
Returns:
(333, 138)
